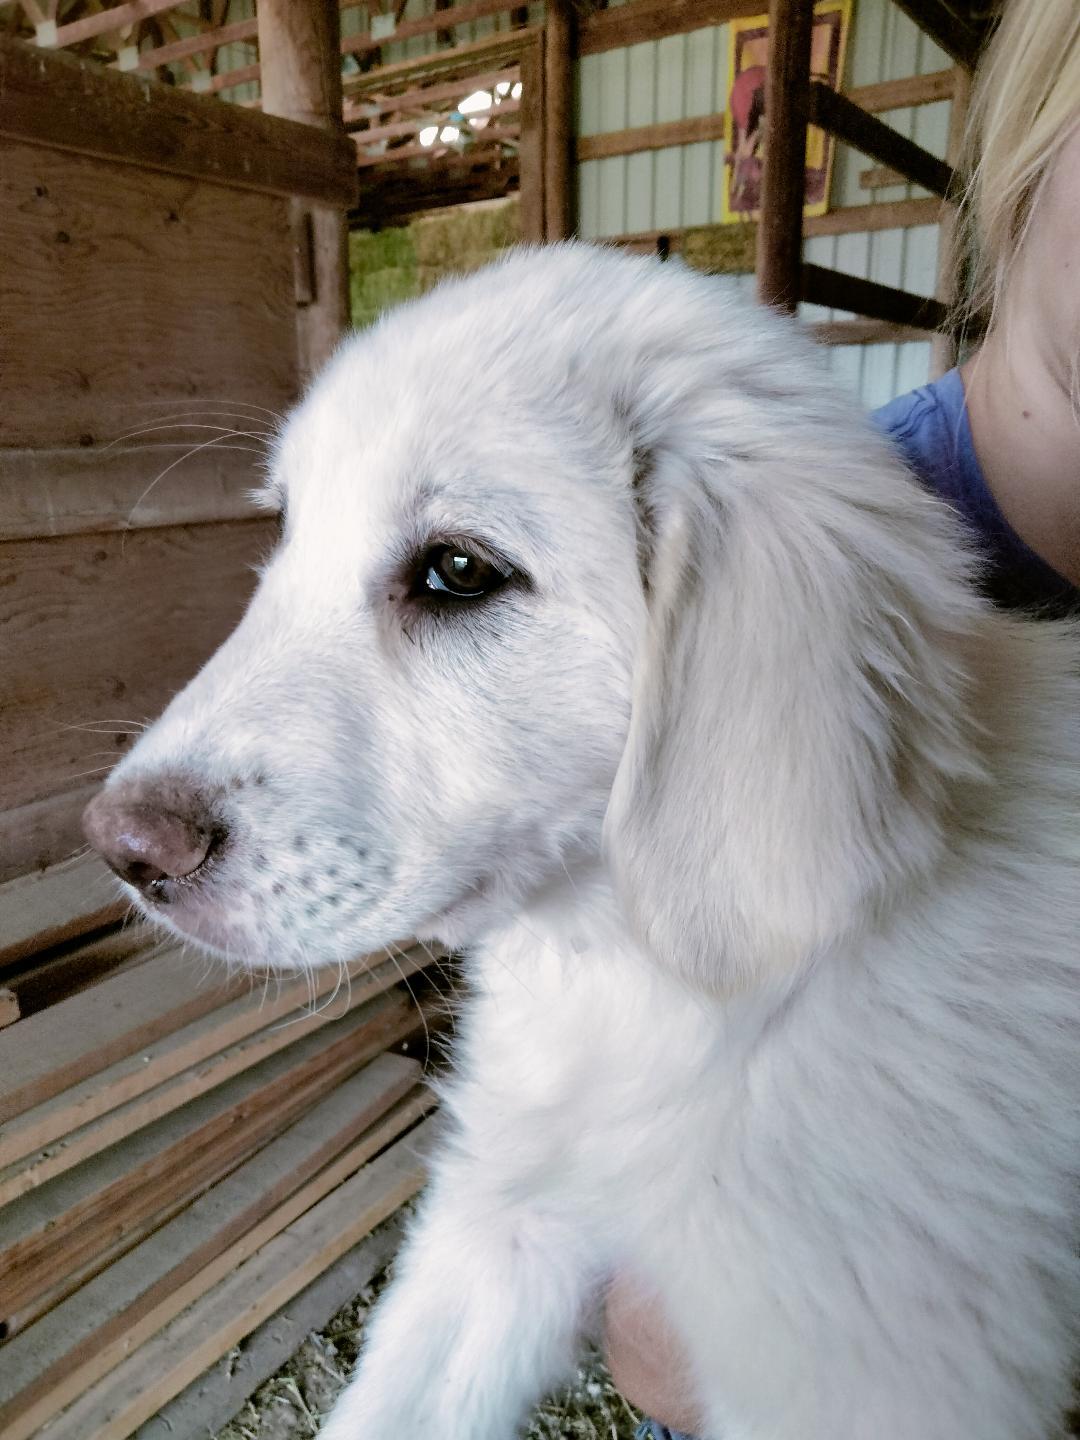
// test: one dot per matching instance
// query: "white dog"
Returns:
(607, 639)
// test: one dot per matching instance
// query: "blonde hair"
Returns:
(1025, 102)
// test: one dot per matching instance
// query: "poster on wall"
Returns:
(747, 129)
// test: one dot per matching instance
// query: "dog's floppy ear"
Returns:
(798, 724)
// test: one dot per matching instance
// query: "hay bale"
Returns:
(721, 249)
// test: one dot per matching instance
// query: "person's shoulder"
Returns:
(929, 411)
(930, 428)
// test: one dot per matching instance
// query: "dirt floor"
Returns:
(291, 1403)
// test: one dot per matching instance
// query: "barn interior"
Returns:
(200, 1169)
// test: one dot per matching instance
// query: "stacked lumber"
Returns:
(182, 1154)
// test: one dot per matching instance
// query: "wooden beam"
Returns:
(936, 18)
(839, 116)
(880, 177)
(888, 215)
(106, 21)
(848, 220)
(531, 143)
(560, 43)
(301, 81)
(427, 95)
(651, 137)
(202, 44)
(502, 48)
(899, 94)
(783, 179)
(231, 79)
(420, 122)
(64, 103)
(644, 20)
(478, 152)
(426, 25)
(865, 332)
(866, 297)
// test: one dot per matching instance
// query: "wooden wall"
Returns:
(148, 297)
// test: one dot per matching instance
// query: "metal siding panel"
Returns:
(640, 110)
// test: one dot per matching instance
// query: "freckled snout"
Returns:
(147, 834)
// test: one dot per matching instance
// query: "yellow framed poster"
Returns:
(747, 128)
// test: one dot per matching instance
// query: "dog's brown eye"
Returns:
(449, 570)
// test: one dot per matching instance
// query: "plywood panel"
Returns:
(124, 289)
(98, 631)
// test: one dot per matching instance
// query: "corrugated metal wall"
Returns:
(686, 75)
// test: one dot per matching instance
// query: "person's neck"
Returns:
(1027, 441)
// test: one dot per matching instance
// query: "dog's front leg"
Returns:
(482, 1317)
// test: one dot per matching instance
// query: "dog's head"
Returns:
(577, 554)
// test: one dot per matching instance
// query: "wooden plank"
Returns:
(46, 1235)
(899, 94)
(78, 1037)
(136, 486)
(55, 99)
(216, 1396)
(839, 116)
(486, 149)
(866, 297)
(301, 80)
(188, 1063)
(108, 20)
(362, 43)
(645, 20)
(113, 244)
(49, 1365)
(71, 969)
(651, 137)
(936, 18)
(885, 215)
(71, 666)
(209, 1328)
(38, 911)
(9, 1007)
(848, 220)
(531, 144)
(419, 122)
(42, 833)
(865, 332)
(202, 44)
(429, 95)
(880, 177)
(502, 48)
(783, 178)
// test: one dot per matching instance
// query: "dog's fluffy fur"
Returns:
(762, 832)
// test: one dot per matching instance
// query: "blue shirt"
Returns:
(930, 427)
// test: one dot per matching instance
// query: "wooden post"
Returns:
(300, 57)
(944, 348)
(559, 179)
(783, 181)
(531, 142)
